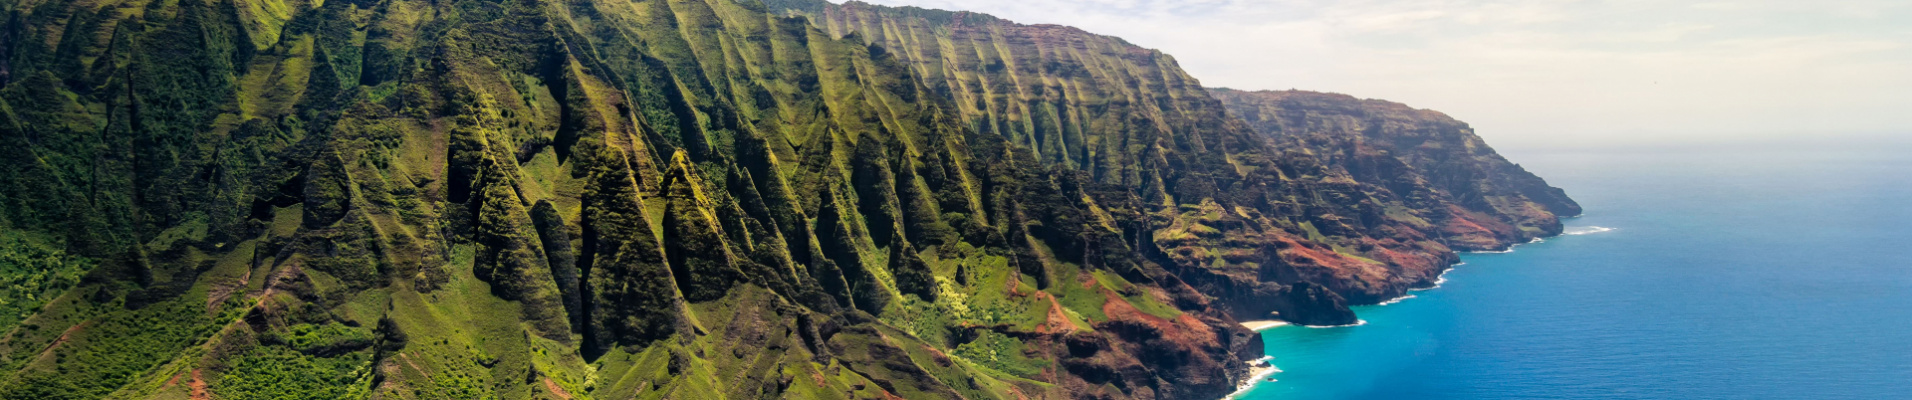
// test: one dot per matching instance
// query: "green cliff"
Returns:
(688, 199)
(1258, 223)
(1480, 200)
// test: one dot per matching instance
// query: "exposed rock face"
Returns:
(670, 199)
(1481, 201)
(1128, 117)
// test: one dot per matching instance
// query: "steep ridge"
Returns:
(1480, 200)
(1281, 225)
(647, 199)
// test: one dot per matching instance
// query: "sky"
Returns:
(1543, 73)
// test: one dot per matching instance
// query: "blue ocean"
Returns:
(1775, 272)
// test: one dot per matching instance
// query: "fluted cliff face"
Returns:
(1480, 200)
(1247, 219)
(648, 199)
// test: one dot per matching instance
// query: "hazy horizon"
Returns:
(1543, 74)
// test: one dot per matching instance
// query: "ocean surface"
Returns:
(1753, 273)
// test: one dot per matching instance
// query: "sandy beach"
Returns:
(1260, 325)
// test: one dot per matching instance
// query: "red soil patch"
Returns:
(1184, 329)
(64, 337)
(942, 359)
(1058, 320)
(1345, 268)
(555, 390)
(1473, 230)
(198, 385)
(1014, 286)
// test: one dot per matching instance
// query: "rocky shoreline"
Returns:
(1264, 369)
(695, 199)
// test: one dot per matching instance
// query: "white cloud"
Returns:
(1541, 72)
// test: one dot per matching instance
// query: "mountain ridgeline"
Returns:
(1477, 199)
(685, 199)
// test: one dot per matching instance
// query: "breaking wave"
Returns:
(1510, 247)
(1395, 300)
(1256, 375)
(1358, 322)
(1438, 281)
(1586, 230)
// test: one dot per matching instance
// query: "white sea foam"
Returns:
(1358, 322)
(1438, 280)
(1509, 249)
(1586, 230)
(1255, 376)
(1260, 374)
(1395, 300)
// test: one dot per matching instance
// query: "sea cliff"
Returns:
(671, 199)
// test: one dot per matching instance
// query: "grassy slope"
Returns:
(1114, 110)
(1418, 152)
(648, 199)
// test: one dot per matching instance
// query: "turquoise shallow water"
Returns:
(1730, 274)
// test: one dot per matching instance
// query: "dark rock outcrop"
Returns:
(686, 199)
(1480, 200)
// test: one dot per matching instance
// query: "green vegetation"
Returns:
(310, 338)
(31, 274)
(1000, 352)
(656, 199)
(1403, 145)
(280, 374)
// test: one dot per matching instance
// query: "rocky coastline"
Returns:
(688, 199)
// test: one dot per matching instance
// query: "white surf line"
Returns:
(1590, 229)
(1358, 322)
(1438, 280)
(1587, 230)
(1395, 300)
(1509, 249)
(1256, 374)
